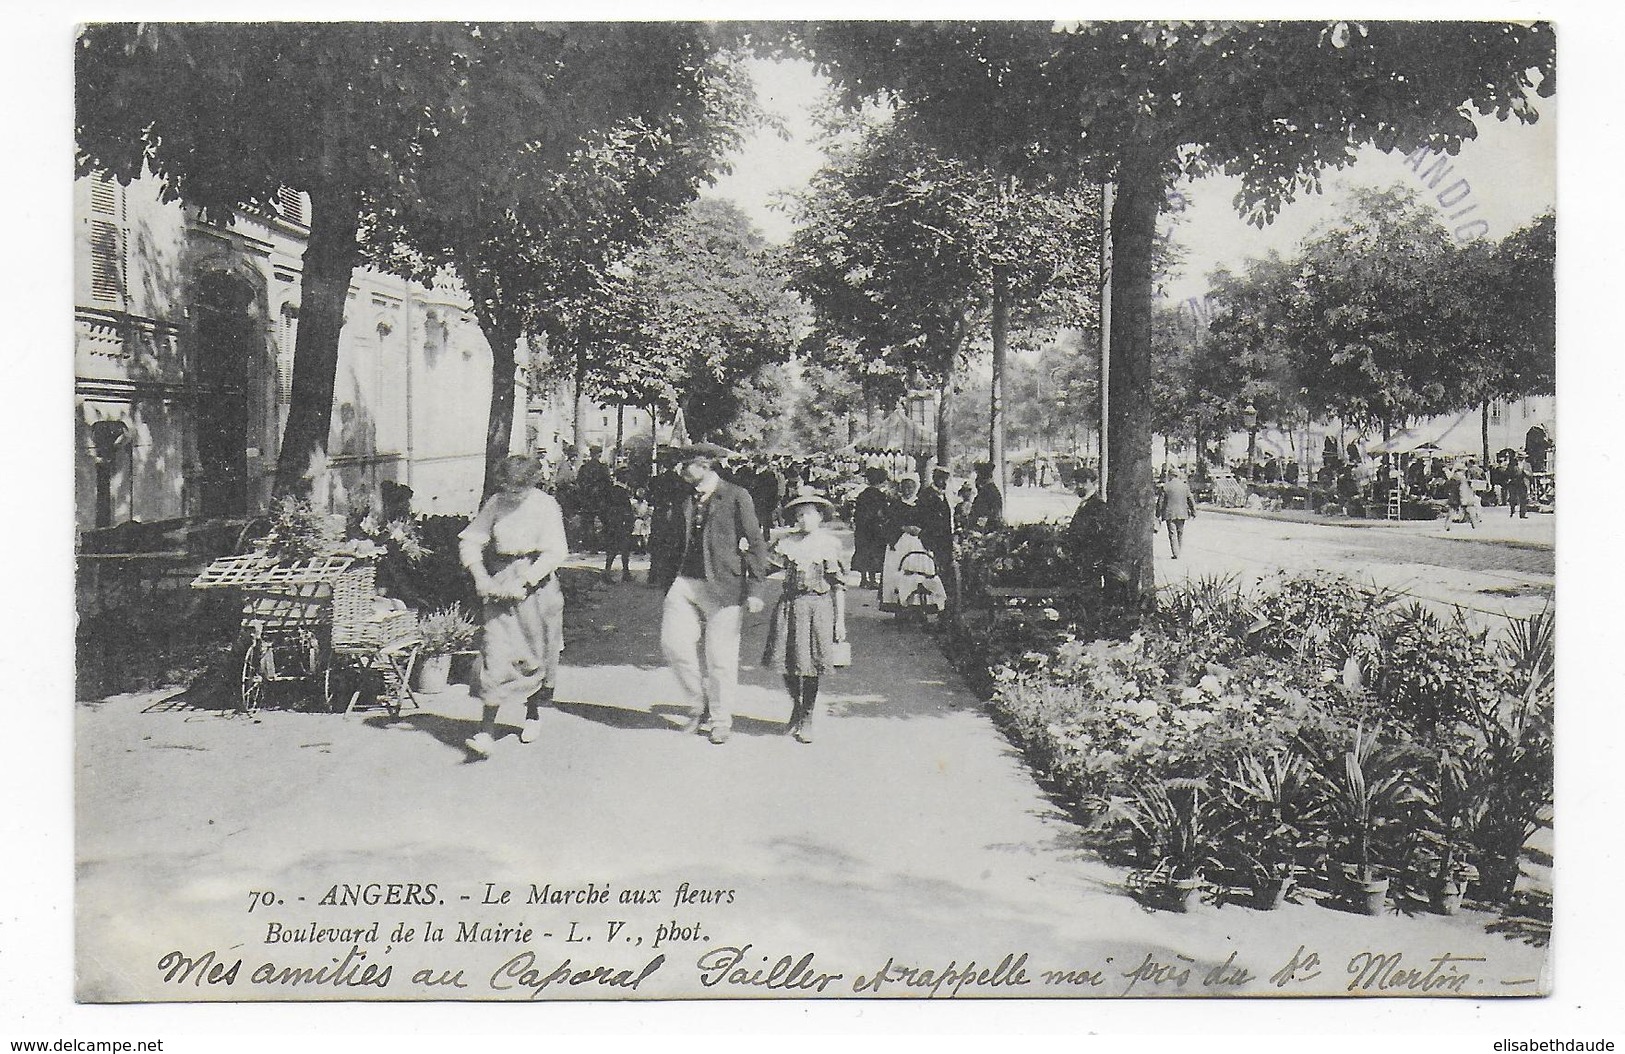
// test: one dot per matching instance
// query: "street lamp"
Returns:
(1249, 421)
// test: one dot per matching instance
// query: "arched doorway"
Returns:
(225, 338)
(110, 453)
(1537, 443)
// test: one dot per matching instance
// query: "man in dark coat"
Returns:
(591, 481)
(937, 528)
(766, 489)
(1086, 532)
(616, 513)
(666, 493)
(1519, 481)
(717, 553)
(987, 509)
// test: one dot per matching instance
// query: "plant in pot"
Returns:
(1268, 796)
(1453, 805)
(444, 632)
(1367, 795)
(1168, 820)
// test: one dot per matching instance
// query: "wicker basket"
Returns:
(353, 592)
(356, 626)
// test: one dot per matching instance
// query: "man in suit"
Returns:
(666, 493)
(1175, 505)
(937, 528)
(592, 479)
(717, 550)
(987, 510)
(1520, 480)
(1087, 528)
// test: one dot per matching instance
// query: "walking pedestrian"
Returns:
(937, 532)
(1519, 481)
(809, 619)
(616, 512)
(592, 480)
(666, 493)
(719, 550)
(1176, 504)
(1463, 499)
(909, 580)
(512, 549)
(870, 514)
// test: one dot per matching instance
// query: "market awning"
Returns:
(895, 434)
(1446, 435)
(1406, 441)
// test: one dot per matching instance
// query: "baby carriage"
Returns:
(910, 583)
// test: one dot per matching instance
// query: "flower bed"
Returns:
(1312, 731)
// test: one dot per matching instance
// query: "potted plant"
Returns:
(1267, 794)
(1167, 818)
(444, 632)
(1452, 885)
(1367, 797)
(1453, 805)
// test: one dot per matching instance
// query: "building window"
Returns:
(109, 239)
(1496, 413)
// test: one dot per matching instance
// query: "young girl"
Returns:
(642, 521)
(810, 616)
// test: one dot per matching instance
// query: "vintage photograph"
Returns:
(655, 510)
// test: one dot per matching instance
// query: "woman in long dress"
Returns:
(513, 548)
(909, 579)
(871, 512)
(810, 616)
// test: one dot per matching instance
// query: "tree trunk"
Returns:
(1131, 487)
(1484, 433)
(995, 429)
(578, 430)
(499, 422)
(329, 261)
(945, 419)
(620, 429)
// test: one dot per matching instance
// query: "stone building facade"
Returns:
(183, 355)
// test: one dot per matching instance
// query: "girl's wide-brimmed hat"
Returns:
(808, 496)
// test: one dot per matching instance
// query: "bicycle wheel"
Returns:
(251, 683)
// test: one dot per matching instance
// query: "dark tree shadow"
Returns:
(1527, 918)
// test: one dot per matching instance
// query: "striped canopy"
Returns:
(895, 434)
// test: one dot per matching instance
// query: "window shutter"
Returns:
(104, 197)
(106, 261)
(108, 241)
(291, 204)
(284, 353)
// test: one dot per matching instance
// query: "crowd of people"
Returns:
(707, 520)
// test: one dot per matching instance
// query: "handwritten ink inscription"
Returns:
(542, 957)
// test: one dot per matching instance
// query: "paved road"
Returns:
(1505, 568)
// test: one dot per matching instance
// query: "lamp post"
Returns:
(1249, 421)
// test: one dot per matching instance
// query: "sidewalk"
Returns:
(911, 830)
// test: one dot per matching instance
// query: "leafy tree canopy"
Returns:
(1273, 103)
(897, 246)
